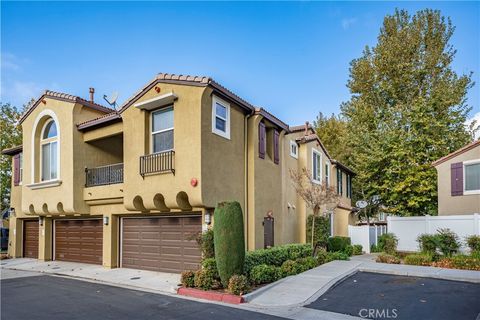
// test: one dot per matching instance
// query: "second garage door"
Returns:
(165, 244)
(79, 240)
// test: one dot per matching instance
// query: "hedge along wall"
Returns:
(229, 240)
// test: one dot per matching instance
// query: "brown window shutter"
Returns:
(16, 169)
(276, 150)
(261, 140)
(456, 176)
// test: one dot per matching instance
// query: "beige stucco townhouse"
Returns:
(132, 187)
(459, 181)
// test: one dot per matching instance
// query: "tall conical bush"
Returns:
(229, 240)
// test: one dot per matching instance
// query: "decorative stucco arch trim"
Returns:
(41, 115)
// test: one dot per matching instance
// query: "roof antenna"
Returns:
(112, 101)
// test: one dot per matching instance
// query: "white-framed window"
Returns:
(471, 177)
(162, 130)
(49, 151)
(220, 117)
(316, 166)
(294, 149)
(327, 173)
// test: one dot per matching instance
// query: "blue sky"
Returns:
(291, 57)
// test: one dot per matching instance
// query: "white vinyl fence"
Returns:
(407, 229)
(366, 235)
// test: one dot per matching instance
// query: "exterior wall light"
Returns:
(12, 212)
(40, 221)
(208, 217)
(105, 221)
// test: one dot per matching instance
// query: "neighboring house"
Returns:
(459, 181)
(131, 188)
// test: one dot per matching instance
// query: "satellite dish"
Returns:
(361, 204)
(112, 100)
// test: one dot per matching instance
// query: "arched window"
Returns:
(49, 152)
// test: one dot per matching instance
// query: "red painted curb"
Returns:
(210, 295)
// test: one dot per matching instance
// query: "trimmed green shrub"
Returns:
(211, 265)
(187, 278)
(473, 243)
(322, 231)
(331, 256)
(238, 284)
(418, 259)
(387, 258)
(448, 241)
(321, 257)
(357, 249)
(348, 250)
(204, 279)
(374, 248)
(229, 241)
(205, 242)
(307, 263)
(387, 242)
(276, 256)
(264, 274)
(290, 268)
(428, 243)
(338, 243)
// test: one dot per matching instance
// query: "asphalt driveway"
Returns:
(380, 296)
(47, 297)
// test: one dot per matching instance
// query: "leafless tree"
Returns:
(317, 195)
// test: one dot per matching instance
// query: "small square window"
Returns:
(293, 149)
(220, 117)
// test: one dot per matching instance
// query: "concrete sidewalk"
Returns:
(160, 282)
(306, 287)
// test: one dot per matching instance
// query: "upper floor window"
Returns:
(162, 130)
(349, 186)
(49, 151)
(293, 149)
(339, 182)
(220, 117)
(472, 177)
(316, 166)
(327, 174)
(17, 169)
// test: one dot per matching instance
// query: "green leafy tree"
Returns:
(332, 131)
(10, 136)
(408, 108)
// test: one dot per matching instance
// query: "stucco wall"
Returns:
(456, 205)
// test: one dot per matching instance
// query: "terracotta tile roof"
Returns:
(270, 117)
(300, 128)
(344, 167)
(455, 153)
(65, 97)
(313, 137)
(102, 120)
(12, 151)
(188, 80)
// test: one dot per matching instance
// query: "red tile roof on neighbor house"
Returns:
(455, 153)
(100, 121)
(64, 97)
(189, 80)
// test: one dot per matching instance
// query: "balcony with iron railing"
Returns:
(104, 175)
(160, 162)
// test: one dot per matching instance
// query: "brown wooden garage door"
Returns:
(165, 244)
(30, 239)
(79, 240)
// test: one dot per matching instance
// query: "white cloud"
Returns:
(348, 22)
(20, 92)
(476, 117)
(9, 62)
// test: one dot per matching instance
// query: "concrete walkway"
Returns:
(159, 282)
(299, 290)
